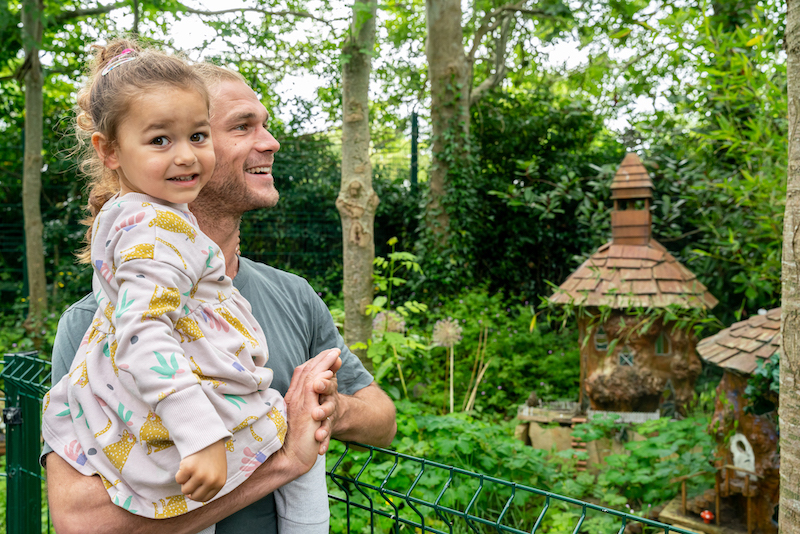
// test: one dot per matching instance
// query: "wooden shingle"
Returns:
(643, 282)
(741, 345)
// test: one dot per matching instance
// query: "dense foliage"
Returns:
(701, 88)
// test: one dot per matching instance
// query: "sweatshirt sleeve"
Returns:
(154, 284)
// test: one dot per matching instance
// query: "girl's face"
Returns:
(163, 146)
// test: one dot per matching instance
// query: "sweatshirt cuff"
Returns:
(191, 420)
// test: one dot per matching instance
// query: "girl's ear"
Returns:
(105, 150)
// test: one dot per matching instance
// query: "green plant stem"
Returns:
(471, 403)
(391, 280)
(481, 338)
(400, 370)
(452, 365)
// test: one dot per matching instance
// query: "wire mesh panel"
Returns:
(25, 379)
(379, 490)
(371, 489)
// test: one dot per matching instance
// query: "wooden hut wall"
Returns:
(761, 432)
(611, 384)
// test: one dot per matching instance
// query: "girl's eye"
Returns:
(160, 141)
(198, 137)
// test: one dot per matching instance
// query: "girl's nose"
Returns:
(184, 155)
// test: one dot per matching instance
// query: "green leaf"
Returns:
(620, 34)
(235, 400)
(166, 371)
(758, 39)
(124, 305)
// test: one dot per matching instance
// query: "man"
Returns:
(294, 319)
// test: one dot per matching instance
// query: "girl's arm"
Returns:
(155, 269)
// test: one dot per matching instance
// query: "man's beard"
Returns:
(230, 197)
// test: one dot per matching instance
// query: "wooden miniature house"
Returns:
(746, 442)
(640, 371)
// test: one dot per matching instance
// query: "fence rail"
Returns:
(380, 490)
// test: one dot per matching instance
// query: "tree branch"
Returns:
(500, 68)
(284, 13)
(682, 236)
(487, 27)
(99, 10)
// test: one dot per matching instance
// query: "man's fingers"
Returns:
(323, 435)
(316, 365)
(326, 386)
(325, 410)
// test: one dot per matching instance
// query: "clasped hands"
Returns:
(310, 405)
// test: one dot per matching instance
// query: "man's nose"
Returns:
(266, 142)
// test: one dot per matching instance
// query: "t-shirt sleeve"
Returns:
(71, 328)
(352, 376)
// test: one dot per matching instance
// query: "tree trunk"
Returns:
(450, 91)
(789, 410)
(32, 13)
(357, 201)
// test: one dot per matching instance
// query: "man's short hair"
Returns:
(214, 74)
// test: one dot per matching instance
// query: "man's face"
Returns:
(242, 180)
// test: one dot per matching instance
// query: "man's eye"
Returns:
(198, 137)
(160, 141)
(241, 127)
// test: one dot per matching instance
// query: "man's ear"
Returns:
(105, 150)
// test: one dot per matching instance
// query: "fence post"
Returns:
(22, 415)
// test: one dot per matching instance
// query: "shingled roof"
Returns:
(631, 180)
(740, 346)
(621, 276)
(633, 269)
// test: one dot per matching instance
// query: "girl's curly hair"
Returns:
(106, 99)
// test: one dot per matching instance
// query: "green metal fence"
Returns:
(25, 379)
(370, 489)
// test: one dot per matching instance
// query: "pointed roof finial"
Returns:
(631, 180)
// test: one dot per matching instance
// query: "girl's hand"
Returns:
(202, 474)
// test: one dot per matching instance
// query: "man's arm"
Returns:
(80, 504)
(367, 416)
(363, 413)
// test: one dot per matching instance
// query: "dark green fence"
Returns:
(370, 489)
(25, 378)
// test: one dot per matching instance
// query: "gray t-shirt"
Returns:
(297, 325)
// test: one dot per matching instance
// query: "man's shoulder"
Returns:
(78, 310)
(253, 272)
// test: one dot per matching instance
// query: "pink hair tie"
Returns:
(118, 60)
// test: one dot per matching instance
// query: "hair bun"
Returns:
(104, 54)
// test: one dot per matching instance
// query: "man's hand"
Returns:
(367, 416)
(310, 380)
(202, 474)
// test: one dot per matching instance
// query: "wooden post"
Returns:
(683, 496)
(717, 499)
(747, 494)
(727, 482)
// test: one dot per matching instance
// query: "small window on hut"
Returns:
(600, 339)
(662, 345)
(626, 356)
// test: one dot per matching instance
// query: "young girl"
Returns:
(168, 399)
